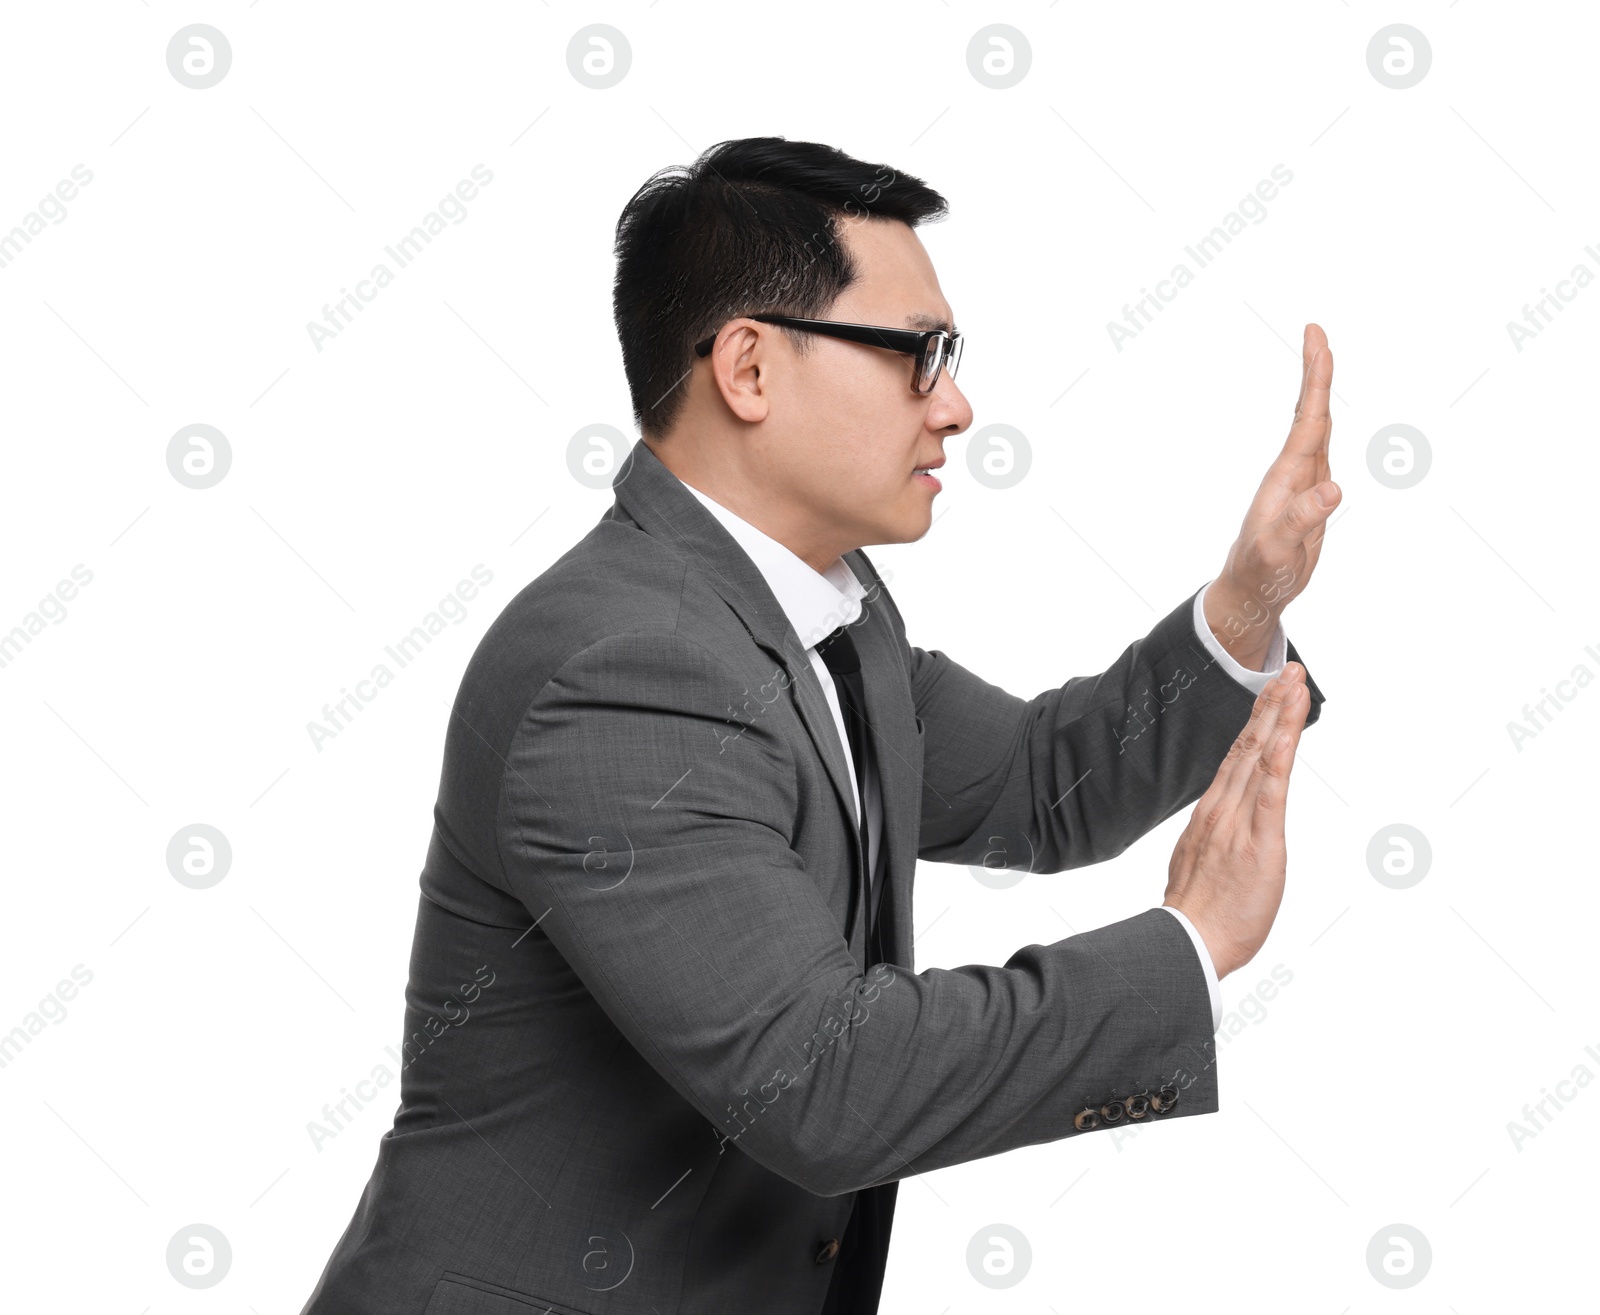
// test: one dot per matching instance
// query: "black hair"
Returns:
(752, 225)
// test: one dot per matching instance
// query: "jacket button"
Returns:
(1163, 1101)
(1138, 1106)
(829, 1251)
(1086, 1120)
(1112, 1111)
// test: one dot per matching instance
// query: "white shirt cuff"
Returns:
(1254, 681)
(1213, 987)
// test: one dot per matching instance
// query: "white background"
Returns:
(431, 435)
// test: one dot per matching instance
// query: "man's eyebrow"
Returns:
(922, 320)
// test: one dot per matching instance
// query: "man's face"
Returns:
(845, 431)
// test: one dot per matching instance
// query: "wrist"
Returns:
(1242, 625)
(1222, 962)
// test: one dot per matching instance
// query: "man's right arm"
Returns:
(653, 832)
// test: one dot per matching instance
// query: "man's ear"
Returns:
(741, 366)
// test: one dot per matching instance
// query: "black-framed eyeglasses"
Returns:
(934, 349)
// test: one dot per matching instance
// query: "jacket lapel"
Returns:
(654, 498)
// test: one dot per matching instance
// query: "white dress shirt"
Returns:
(816, 604)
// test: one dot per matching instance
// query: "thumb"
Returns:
(1308, 510)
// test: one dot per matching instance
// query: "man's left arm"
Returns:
(1076, 774)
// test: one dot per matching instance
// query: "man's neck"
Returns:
(727, 489)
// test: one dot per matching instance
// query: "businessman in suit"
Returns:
(666, 1048)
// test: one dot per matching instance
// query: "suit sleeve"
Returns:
(1207, 967)
(1076, 774)
(649, 826)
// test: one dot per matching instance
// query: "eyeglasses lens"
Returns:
(940, 353)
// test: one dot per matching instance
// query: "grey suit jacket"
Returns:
(647, 1069)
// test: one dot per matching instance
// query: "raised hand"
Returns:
(1281, 538)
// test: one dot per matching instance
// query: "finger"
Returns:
(1237, 768)
(1316, 375)
(1247, 740)
(1245, 788)
(1306, 353)
(1313, 422)
(1306, 514)
(1271, 782)
(1303, 461)
(1258, 735)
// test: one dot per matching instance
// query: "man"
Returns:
(666, 1048)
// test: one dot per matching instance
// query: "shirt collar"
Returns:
(816, 603)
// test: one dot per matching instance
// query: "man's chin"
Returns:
(906, 528)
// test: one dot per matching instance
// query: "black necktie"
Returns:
(858, 1272)
(838, 652)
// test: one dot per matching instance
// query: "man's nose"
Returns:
(950, 413)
